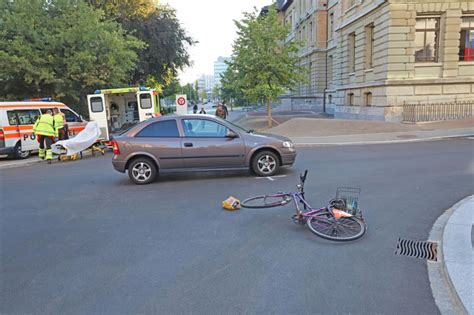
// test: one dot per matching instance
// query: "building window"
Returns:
(466, 46)
(350, 99)
(350, 3)
(427, 39)
(330, 98)
(351, 51)
(331, 26)
(329, 69)
(368, 99)
(369, 46)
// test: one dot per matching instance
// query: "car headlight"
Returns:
(288, 144)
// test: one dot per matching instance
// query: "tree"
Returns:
(167, 42)
(124, 10)
(263, 67)
(61, 48)
(156, 25)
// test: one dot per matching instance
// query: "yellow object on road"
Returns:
(231, 203)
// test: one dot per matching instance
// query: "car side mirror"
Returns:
(81, 119)
(231, 135)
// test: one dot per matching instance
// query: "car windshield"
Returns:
(239, 127)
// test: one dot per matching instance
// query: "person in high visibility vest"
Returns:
(59, 123)
(45, 132)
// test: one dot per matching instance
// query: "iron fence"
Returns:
(419, 112)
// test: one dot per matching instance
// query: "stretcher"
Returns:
(88, 140)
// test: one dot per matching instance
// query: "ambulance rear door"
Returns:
(98, 113)
(146, 104)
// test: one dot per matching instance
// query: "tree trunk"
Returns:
(269, 113)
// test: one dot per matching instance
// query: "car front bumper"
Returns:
(288, 158)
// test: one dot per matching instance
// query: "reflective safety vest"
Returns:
(58, 121)
(45, 126)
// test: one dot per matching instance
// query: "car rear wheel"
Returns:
(265, 163)
(142, 171)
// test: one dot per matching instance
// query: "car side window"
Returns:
(203, 128)
(25, 117)
(160, 129)
(70, 116)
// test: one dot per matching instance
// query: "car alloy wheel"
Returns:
(266, 164)
(141, 172)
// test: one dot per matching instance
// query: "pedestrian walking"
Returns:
(220, 112)
(59, 123)
(202, 111)
(195, 109)
(225, 109)
(45, 132)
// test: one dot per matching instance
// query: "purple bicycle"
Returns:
(340, 221)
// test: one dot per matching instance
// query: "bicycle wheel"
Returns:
(344, 229)
(266, 201)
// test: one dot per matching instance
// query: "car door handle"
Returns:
(188, 144)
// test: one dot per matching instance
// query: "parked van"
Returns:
(115, 110)
(17, 120)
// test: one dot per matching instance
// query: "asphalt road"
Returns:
(80, 238)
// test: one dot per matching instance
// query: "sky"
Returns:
(210, 22)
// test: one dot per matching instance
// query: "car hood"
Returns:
(263, 136)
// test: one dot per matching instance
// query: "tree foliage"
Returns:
(263, 66)
(61, 48)
(124, 10)
(167, 42)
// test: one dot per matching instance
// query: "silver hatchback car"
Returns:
(197, 143)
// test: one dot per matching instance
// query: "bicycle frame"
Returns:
(299, 198)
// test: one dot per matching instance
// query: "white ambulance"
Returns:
(17, 120)
(115, 110)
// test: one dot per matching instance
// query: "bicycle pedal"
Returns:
(297, 220)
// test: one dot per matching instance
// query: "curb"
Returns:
(450, 281)
(26, 163)
(36, 161)
(322, 144)
(444, 292)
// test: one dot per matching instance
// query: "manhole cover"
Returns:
(418, 249)
(407, 137)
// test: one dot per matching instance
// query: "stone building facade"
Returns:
(307, 22)
(381, 53)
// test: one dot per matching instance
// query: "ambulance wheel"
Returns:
(19, 154)
(142, 171)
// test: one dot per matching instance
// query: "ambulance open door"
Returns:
(146, 105)
(98, 113)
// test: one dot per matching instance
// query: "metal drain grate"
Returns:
(418, 249)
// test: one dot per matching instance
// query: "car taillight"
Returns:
(115, 147)
(2, 135)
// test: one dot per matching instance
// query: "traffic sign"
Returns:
(181, 104)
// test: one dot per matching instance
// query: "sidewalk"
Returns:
(326, 131)
(457, 256)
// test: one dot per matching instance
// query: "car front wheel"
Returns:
(142, 171)
(265, 163)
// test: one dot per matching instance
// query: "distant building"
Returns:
(219, 68)
(206, 83)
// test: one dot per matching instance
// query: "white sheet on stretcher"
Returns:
(80, 142)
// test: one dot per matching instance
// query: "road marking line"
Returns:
(269, 178)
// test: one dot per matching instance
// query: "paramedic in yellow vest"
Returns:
(45, 132)
(59, 123)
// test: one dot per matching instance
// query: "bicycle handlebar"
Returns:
(303, 176)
